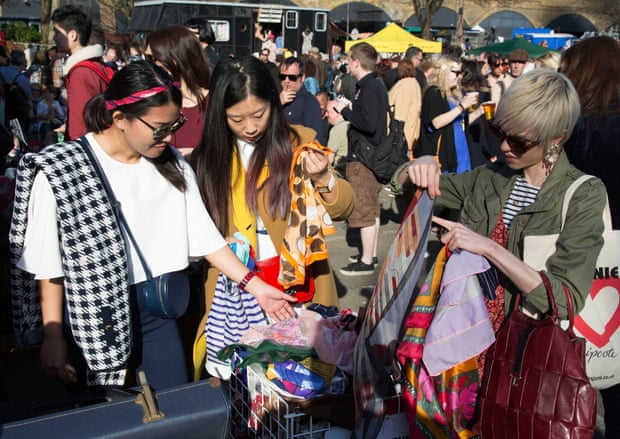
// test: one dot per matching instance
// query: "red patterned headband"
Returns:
(138, 96)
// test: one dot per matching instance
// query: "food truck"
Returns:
(235, 24)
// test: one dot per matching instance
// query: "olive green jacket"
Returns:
(479, 195)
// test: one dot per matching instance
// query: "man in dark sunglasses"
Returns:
(300, 106)
(497, 77)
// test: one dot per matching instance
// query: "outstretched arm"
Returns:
(274, 302)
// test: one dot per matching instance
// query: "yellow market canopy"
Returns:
(395, 39)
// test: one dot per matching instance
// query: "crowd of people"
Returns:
(198, 149)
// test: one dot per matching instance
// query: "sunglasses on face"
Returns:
(160, 133)
(518, 145)
(290, 77)
(457, 72)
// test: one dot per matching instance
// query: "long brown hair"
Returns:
(593, 66)
(179, 51)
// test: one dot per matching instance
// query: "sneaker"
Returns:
(358, 257)
(357, 268)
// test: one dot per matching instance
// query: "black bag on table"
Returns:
(194, 410)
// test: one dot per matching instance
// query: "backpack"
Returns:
(385, 158)
(17, 103)
(104, 71)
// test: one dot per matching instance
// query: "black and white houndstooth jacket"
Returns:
(93, 258)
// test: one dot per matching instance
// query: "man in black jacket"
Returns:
(367, 115)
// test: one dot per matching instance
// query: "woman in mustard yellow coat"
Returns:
(243, 167)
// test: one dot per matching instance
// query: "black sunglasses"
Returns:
(290, 77)
(160, 133)
(518, 145)
(457, 72)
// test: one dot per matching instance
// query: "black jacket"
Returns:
(368, 116)
(594, 148)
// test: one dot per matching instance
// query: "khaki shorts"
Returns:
(366, 189)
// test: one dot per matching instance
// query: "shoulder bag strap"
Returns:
(569, 195)
(116, 205)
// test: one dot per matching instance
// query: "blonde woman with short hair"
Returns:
(442, 119)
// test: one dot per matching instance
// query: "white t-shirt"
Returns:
(265, 248)
(168, 225)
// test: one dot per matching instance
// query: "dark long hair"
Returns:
(593, 66)
(179, 51)
(473, 79)
(135, 77)
(233, 81)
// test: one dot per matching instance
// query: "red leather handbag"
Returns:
(534, 384)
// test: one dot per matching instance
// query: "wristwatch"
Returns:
(329, 187)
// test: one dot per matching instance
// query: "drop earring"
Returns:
(552, 153)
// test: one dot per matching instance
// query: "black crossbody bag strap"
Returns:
(116, 205)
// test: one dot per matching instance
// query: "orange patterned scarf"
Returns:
(309, 222)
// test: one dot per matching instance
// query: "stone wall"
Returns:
(539, 12)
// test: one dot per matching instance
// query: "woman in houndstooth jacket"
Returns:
(68, 245)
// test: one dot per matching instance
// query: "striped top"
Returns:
(522, 195)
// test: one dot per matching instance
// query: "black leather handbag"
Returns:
(195, 410)
(166, 295)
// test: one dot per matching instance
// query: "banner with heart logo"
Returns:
(599, 320)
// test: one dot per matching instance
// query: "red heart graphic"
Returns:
(597, 339)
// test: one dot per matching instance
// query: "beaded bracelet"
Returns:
(246, 279)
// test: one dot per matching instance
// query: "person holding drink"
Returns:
(442, 120)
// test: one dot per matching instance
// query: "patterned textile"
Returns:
(232, 313)
(93, 258)
(441, 406)
(496, 306)
(266, 352)
(391, 299)
(304, 238)
(522, 195)
(460, 329)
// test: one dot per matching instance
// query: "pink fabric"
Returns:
(332, 344)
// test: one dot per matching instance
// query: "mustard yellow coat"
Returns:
(325, 285)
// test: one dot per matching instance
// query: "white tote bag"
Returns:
(599, 320)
